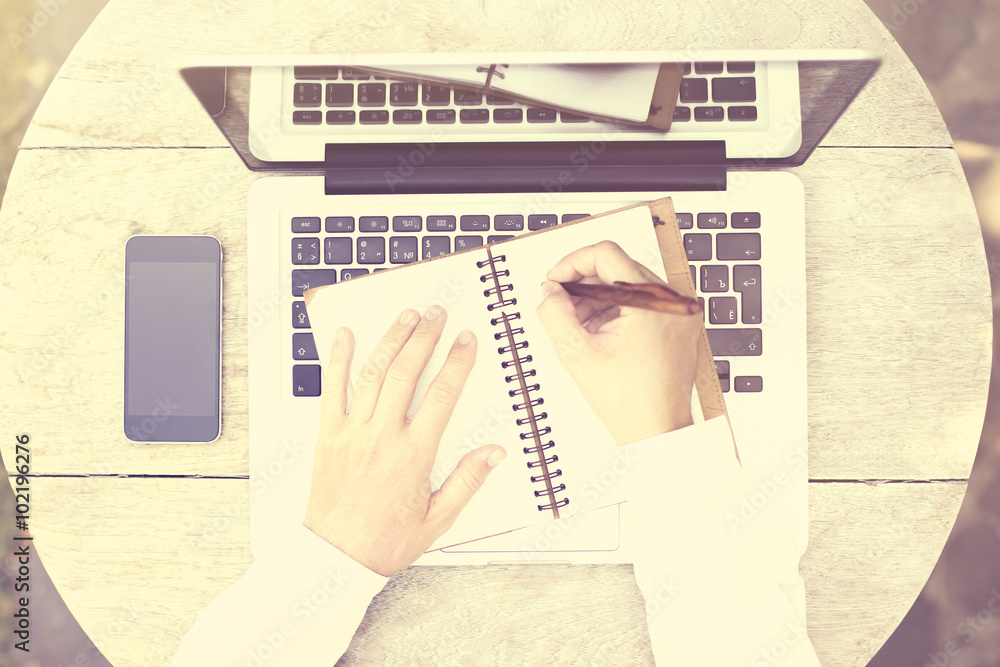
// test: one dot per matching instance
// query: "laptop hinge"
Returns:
(637, 166)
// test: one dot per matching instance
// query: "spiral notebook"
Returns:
(519, 394)
(641, 93)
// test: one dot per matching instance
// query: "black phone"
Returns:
(173, 338)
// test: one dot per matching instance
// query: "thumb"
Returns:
(557, 313)
(463, 482)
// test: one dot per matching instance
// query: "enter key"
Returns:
(746, 281)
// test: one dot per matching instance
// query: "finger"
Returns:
(373, 373)
(605, 260)
(405, 370)
(468, 477)
(444, 391)
(560, 316)
(337, 373)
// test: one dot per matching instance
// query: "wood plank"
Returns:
(899, 320)
(120, 86)
(136, 577)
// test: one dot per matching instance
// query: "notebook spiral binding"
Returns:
(527, 393)
(498, 71)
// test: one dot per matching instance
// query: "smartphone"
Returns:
(173, 338)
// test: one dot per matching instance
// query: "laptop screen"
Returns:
(512, 122)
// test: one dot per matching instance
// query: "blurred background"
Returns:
(948, 42)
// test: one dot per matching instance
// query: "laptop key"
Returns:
(306, 380)
(374, 117)
(694, 90)
(340, 117)
(340, 224)
(465, 242)
(403, 94)
(338, 250)
(728, 342)
(402, 249)
(316, 72)
(300, 318)
(474, 115)
(307, 117)
(542, 221)
(567, 117)
(746, 281)
(746, 220)
(754, 383)
(496, 99)
(467, 98)
(708, 68)
(475, 223)
(540, 115)
(499, 237)
(305, 225)
(714, 278)
(685, 220)
(709, 114)
(682, 114)
(347, 274)
(407, 223)
(339, 94)
(305, 279)
(305, 251)
(308, 94)
(736, 89)
(371, 250)
(441, 116)
(741, 67)
(722, 370)
(440, 223)
(371, 94)
(434, 246)
(711, 221)
(570, 217)
(435, 96)
(742, 114)
(722, 310)
(744, 247)
(406, 116)
(352, 74)
(698, 246)
(373, 223)
(304, 347)
(508, 115)
(508, 223)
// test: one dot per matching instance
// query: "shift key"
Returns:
(746, 280)
(735, 342)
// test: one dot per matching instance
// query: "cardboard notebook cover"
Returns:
(661, 106)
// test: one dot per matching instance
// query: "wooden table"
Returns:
(139, 538)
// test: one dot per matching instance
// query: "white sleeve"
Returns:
(719, 589)
(299, 604)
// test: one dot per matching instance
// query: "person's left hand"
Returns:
(371, 495)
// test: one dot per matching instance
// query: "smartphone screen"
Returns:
(173, 354)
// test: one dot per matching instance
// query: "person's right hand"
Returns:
(635, 367)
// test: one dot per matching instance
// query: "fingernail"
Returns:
(341, 332)
(433, 312)
(407, 316)
(465, 337)
(496, 457)
(547, 287)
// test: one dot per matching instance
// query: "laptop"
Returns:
(367, 169)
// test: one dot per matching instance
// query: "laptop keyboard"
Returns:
(711, 93)
(724, 250)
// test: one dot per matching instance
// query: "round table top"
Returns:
(139, 538)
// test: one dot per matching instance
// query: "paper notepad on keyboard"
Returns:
(553, 472)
